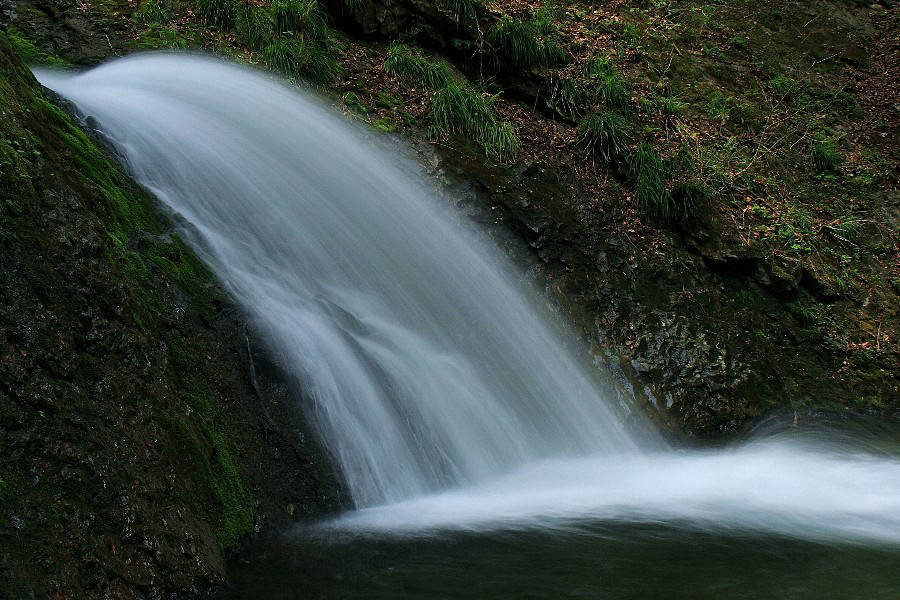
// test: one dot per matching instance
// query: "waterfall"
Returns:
(435, 379)
(426, 365)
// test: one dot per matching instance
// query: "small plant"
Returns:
(566, 98)
(253, 25)
(670, 105)
(784, 86)
(407, 64)
(459, 109)
(292, 17)
(719, 105)
(151, 12)
(650, 184)
(463, 10)
(825, 156)
(527, 44)
(500, 142)
(607, 134)
(611, 87)
(217, 12)
(712, 50)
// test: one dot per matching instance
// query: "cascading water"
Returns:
(444, 395)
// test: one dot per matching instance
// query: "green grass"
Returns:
(527, 44)
(611, 87)
(463, 10)
(293, 17)
(607, 134)
(152, 12)
(650, 191)
(254, 25)
(217, 12)
(408, 64)
(825, 156)
(459, 109)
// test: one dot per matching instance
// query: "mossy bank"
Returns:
(136, 450)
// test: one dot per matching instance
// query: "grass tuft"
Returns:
(294, 17)
(414, 68)
(459, 109)
(611, 86)
(217, 12)
(607, 134)
(527, 44)
(254, 25)
(650, 184)
(152, 12)
(825, 156)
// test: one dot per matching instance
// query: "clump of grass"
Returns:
(299, 42)
(414, 68)
(152, 12)
(527, 44)
(607, 134)
(670, 105)
(650, 184)
(253, 25)
(825, 156)
(463, 10)
(500, 141)
(611, 86)
(459, 109)
(687, 199)
(784, 86)
(293, 17)
(217, 12)
(719, 105)
(566, 98)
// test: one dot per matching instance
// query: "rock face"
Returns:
(142, 435)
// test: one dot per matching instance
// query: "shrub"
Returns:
(607, 134)
(404, 62)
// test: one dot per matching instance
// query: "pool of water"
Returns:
(603, 560)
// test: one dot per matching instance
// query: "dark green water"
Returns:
(603, 561)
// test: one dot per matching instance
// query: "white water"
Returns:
(437, 384)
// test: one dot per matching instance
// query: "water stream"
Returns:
(450, 404)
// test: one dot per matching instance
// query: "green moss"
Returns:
(384, 125)
(387, 100)
(31, 54)
(159, 36)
